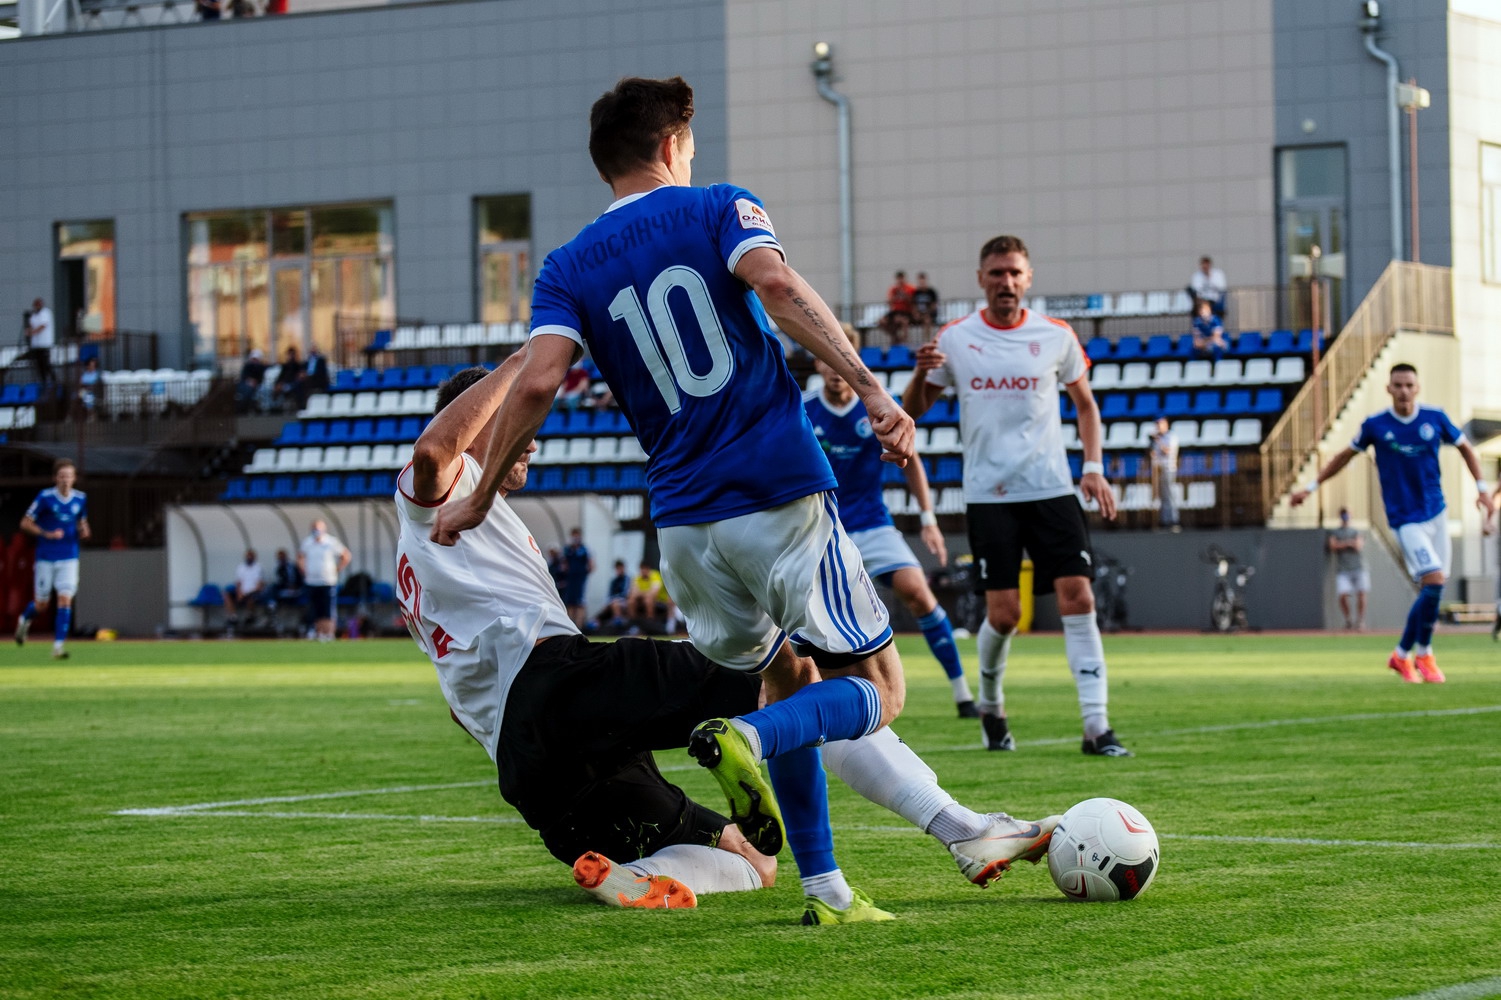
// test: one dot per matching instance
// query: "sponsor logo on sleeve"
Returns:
(752, 216)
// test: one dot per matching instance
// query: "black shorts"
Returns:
(1053, 532)
(320, 601)
(581, 721)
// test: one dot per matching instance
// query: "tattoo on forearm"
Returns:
(840, 343)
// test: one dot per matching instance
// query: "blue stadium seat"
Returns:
(553, 425)
(417, 377)
(1159, 347)
(30, 393)
(1267, 401)
(382, 593)
(330, 485)
(871, 356)
(1066, 408)
(551, 479)
(355, 485)
(385, 430)
(1098, 349)
(237, 489)
(368, 380)
(1184, 348)
(948, 470)
(438, 373)
(338, 432)
(10, 396)
(307, 487)
(633, 477)
(578, 422)
(1193, 464)
(1128, 349)
(410, 429)
(345, 380)
(1145, 406)
(899, 357)
(314, 432)
(1075, 464)
(209, 596)
(611, 421)
(1128, 464)
(379, 342)
(382, 484)
(362, 431)
(1281, 342)
(1305, 342)
(1207, 403)
(260, 488)
(891, 475)
(606, 478)
(1249, 344)
(291, 436)
(281, 488)
(393, 378)
(1115, 406)
(591, 368)
(945, 411)
(579, 478)
(1237, 402)
(1176, 404)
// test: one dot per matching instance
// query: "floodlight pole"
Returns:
(823, 72)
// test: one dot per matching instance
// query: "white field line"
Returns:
(283, 799)
(1462, 991)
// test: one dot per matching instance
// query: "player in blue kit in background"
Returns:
(59, 518)
(673, 289)
(1406, 439)
(843, 429)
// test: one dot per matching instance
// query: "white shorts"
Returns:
(747, 583)
(1425, 546)
(884, 550)
(1356, 581)
(58, 574)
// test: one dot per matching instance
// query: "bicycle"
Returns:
(1227, 606)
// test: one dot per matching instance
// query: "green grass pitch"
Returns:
(1371, 864)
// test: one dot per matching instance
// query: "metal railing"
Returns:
(1415, 298)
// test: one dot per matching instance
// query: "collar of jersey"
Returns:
(838, 411)
(1026, 313)
(1417, 411)
(633, 197)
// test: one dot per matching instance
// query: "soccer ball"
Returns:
(1103, 849)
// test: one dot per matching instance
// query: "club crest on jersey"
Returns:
(1034, 348)
(752, 216)
(1426, 432)
(863, 427)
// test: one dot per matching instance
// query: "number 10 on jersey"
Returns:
(668, 363)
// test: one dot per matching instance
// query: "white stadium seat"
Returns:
(631, 450)
(1071, 437)
(1187, 433)
(317, 406)
(358, 457)
(383, 456)
(404, 454)
(264, 460)
(310, 460)
(898, 383)
(580, 450)
(453, 335)
(815, 383)
(386, 403)
(1104, 376)
(335, 458)
(1214, 434)
(1144, 432)
(1136, 375)
(409, 401)
(427, 336)
(606, 449)
(429, 400)
(1167, 375)
(1122, 435)
(1258, 371)
(944, 440)
(1228, 372)
(1245, 432)
(287, 459)
(342, 404)
(1288, 370)
(1197, 373)
(552, 451)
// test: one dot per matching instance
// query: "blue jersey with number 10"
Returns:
(687, 350)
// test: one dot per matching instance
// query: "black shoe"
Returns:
(1106, 745)
(967, 709)
(1496, 629)
(997, 733)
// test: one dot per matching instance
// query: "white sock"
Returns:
(993, 647)
(749, 732)
(1422, 650)
(702, 869)
(1404, 653)
(883, 769)
(831, 888)
(1086, 659)
(957, 823)
(960, 687)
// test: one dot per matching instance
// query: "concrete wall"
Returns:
(428, 105)
(1120, 139)
(125, 590)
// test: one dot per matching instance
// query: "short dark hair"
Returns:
(627, 124)
(1403, 366)
(64, 463)
(1004, 244)
(453, 387)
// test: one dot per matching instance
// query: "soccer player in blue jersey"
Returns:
(671, 289)
(1406, 439)
(59, 518)
(843, 429)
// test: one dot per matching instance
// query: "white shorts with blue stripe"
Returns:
(1425, 546)
(747, 583)
(884, 550)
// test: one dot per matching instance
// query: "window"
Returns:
(1312, 212)
(85, 294)
(304, 277)
(503, 234)
(1490, 213)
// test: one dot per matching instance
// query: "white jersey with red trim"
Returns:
(1007, 380)
(476, 608)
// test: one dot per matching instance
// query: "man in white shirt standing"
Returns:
(322, 558)
(41, 334)
(245, 590)
(1007, 364)
(1208, 285)
(1165, 474)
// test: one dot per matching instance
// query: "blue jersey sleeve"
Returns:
(1365, 438)
(1447, 432)
(555, 310)
(35, 508)
(742, 224)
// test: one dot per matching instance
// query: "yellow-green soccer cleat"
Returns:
(861, 910)
(721, 748)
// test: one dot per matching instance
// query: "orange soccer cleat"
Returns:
(1427, 667)
(619, 886)
(1403, 666)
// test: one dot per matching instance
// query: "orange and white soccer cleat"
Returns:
(1403, 666)
(616, 885)
(1427, 668)
(1005, 841)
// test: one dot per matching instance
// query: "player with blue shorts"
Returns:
(1406, 439)
(59, 518)
(843, 429)
(672, 289)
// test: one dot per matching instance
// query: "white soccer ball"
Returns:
(1103, 849)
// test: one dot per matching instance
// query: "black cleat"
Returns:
(997, 733)
(23, 625)
(967, 709)
(1105, 745)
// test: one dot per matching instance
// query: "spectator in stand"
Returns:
(577, 565)
(1208, 285)
(646, 589)
(41, 335)
(286, 580)
(556, 567)
(248, 588)
(1165, 474)
(574, 391)
(1351, 576)
(288, 387)
(898, 316)
(321, 559)
(315, 376)
(1210, 342)
(614, 612)
(252, 378)
(88, 389)
(209, 10)
(924, 305)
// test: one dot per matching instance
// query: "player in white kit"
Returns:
(1007, 364)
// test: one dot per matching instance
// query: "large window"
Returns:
(1490, 213)
(503, 235)
(85, 295)
(1312, 212)
(289, 277)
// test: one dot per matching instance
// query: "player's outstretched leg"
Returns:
(884, 770)
(618, 885)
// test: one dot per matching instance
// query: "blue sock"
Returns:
(30, 611)
(64, 618)
(803, 793)
(1426, 607)
(1410, 630)
(940, 635)
(844, 708)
